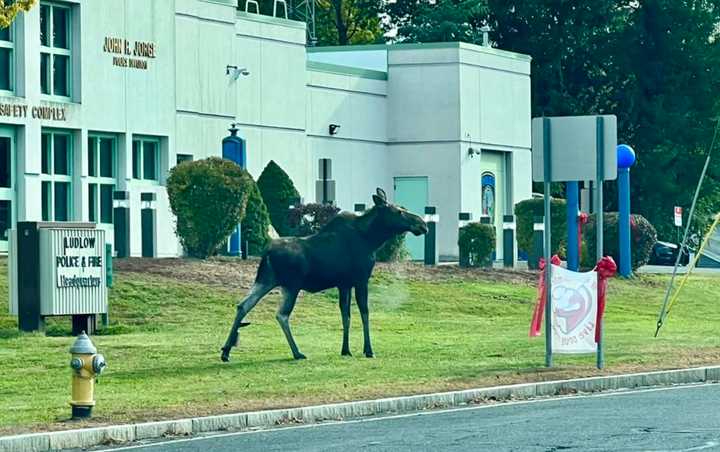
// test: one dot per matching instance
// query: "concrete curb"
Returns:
(84, 438)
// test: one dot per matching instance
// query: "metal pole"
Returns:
(624, 221)
(547, 158)
(600, 162)
(573, 258)
(661, 317)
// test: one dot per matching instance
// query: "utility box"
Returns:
(57, 269)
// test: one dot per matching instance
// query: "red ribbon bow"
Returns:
(541, 299)
(583, 218)
(606, 268)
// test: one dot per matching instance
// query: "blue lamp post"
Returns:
(233, 149)
(625, 159)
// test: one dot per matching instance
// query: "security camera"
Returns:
(333, 129)
(235, 72)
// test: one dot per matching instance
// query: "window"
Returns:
(56, 169)
(101, 171)
(5, 163)
(184, 158)
(7, 46)
(146, 159)
(55, 52)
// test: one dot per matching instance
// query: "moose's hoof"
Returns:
(225, 355)
(345, 353)
(369, 355)
(299, 356)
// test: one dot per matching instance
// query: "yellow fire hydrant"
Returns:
(86, 365)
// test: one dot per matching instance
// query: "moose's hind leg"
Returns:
(283, 318)
(345, 295)
(259, 290)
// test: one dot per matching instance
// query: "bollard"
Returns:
(463, 219)
(508, 241)
(431, 250)
(538, 243)
(573, 255)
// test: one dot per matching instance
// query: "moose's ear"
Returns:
(381, 193)
(379, 201)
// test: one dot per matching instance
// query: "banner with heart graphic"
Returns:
(574, 311)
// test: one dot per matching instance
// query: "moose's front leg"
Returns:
(361, 296)
(345, 295)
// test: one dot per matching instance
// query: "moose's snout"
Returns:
(419, 228)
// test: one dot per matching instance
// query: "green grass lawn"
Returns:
(163, 352)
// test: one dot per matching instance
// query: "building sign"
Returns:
(130, 54)
(574, 311)
(79, 264)
(35, 112)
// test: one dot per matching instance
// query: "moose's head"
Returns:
(396, 219)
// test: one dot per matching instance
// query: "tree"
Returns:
(653, 63)
(278, 191)
(208, 197)
(343, 22)
(256, 223)
(10, 9)
(436, 21)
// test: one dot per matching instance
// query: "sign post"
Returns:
(570, 149)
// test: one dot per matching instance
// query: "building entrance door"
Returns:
(493, 195)
(7, 185)
(412, 194)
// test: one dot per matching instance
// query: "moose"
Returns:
(341, 255)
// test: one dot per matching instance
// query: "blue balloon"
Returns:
(625, 156)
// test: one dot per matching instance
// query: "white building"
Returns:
(125, 89)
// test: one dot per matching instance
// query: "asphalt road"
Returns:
(668, 419)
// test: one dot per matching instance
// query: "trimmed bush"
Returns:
(277, 191)
(526, 210)
(308, 219)
(642, 239)
(394, 250)
(256, 223)
(477, 243)
(208, 198)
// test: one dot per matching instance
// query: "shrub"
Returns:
(308, 219)
(526, 210)
(642, 240)
(208, 197)
(277, 191)
(477, 243)
(394, 250)
(256, 223)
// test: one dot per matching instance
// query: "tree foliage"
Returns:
(256, 222)
(436, 20)
(10, 9)
(208, 197)
(277, 190)
(343, 22)
(653, 63)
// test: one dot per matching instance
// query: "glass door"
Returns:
(7, 186)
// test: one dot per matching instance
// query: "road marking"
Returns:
(433, 412)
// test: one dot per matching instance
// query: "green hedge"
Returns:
(526, 210)
(208, 198)
(277, 190)
(477, 243)
(256, 223)
(394, 250)
(642, 238)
